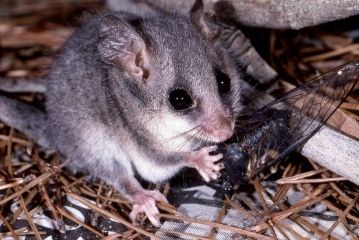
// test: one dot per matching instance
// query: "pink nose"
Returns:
(224, 130)
(223, 134)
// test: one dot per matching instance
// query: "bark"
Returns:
(293, 14)
(276, 14)
(334, 151)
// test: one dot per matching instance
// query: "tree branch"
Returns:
(275, 14)
(292, 14)
(334, 151)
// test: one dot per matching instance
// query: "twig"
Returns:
(184, 234)
(75, 220)
(29, 198)
(302, 175)
(341, 217)
(218, 225)
(29, 219)
(219, 218)
(331, 54)
(298, 207)
(334, 151)
(112, 215)
(16, 140)
(60, 223)
(8, 226)
(277, 14)
(8, 159)
(319, 180)
(18, 182)
(30, 185)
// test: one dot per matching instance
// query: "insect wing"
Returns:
(305, 109)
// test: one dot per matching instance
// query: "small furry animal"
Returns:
(142, 96)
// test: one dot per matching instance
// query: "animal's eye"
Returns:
(180, 99)
(223, 81)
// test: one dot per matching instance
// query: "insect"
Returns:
(270, 134)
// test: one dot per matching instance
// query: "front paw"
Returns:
(204, 162)
(145, 202)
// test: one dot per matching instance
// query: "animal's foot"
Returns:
(145, 203)
(205, 163)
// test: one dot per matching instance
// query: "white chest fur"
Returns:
(151, 171)
(99, 142)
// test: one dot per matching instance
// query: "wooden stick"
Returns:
(334, 151)
(276, 14)
(218, 225)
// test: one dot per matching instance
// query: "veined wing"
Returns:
(288, 122)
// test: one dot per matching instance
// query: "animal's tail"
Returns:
(25, 118)
(23, 85)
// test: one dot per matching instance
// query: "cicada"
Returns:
(268, 135)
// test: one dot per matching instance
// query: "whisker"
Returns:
(179, 135)
(181, 145)
(200, 138)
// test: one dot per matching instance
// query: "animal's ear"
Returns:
(120, 44)
(204, 22)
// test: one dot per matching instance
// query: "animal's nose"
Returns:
(225, 129)
(224, 134)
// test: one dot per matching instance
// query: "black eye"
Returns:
(180, 99)
(223, 81)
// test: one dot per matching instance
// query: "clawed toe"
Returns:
(149, 210)
(205, 163)
(145, 203)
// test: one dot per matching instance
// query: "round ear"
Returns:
(204, 22)
(121, 45)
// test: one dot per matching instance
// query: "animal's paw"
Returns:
(145, 202)
(204, 162)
